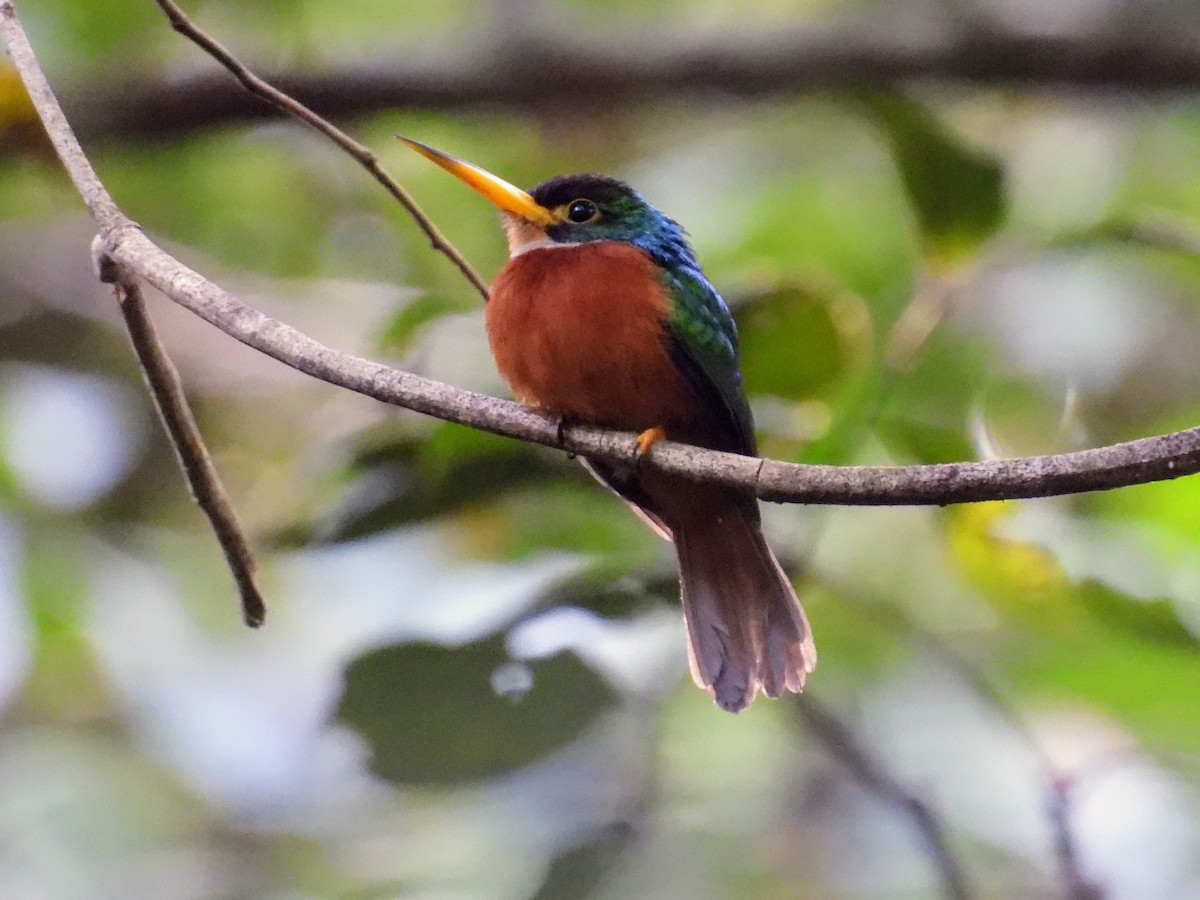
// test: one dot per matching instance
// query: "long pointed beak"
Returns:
(508, 197)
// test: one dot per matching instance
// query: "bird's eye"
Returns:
(581, 211)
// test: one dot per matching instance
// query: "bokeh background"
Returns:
(472, 681)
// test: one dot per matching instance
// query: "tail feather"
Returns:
(746, 628)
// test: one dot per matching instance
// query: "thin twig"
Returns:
(78, 167)
(165, 388)
(363, 154)
(1135, 462)
(1058, 785)
(926, 310)
(1066, 851)
(842, 745)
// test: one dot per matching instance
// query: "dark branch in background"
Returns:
(166, 390)
(1059, 786)
(868, 773)
(363, 154)
(540, 71)
(1066, 850)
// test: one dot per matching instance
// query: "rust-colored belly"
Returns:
(578, 331)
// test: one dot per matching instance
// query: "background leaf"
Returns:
(957, 193)
(456, 726)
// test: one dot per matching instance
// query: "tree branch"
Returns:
(1059, 786)
(866, 771)
(532, 72)
(1077, 885)
(1135, 462)
(162, 380)
(361, 153)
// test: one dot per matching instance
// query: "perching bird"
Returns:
(602, 316)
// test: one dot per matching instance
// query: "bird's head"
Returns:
(570, 209)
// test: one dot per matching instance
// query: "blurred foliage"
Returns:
(957, 194)
(437, 691)
(398, 481)
(835, 329)
(472, 681)
(20, 131)
(578, 872)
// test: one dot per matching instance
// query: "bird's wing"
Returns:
(702, 340)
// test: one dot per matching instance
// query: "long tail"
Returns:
(746, 628)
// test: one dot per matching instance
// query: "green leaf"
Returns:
(1148, 686)
(579, 871)
(431, 715)
(1156, 621)
(956, 192)
(801, 340)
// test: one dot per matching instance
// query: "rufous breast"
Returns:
(579, 331)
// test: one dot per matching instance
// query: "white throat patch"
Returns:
(523, 237)
(543, 244)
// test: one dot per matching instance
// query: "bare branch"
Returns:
(536, 71)
(162, 379)
(866, 771)
(1134, 462)
(363, 154)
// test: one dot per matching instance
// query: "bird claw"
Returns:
(560, 435)
(649, 438)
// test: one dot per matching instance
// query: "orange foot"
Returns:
(649, 437)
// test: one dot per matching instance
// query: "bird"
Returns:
(602, 316)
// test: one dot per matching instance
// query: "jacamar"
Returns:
(602, 316)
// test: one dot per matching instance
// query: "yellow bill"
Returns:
(508, 197)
